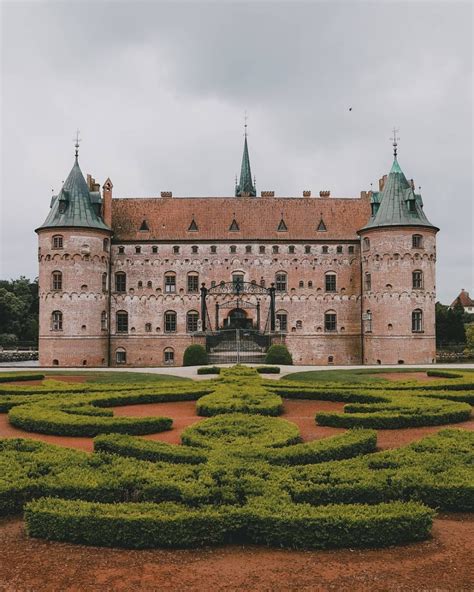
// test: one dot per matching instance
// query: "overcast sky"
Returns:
(159, 90)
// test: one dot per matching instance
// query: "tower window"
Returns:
(366, 244)
(154, 249)
(310, 284)
(103, 320)
(291, 249)
(105, 244)
(192, 319)
(149, 284)
(275, 249)
(57, 280)
(248, 248)
(120, 281)
(368, 281)
(194, 249)
(261, 249)
(57, 241)
(176, 250)
(307, 249)
(138, 249)
(301, 284)
(57, 320)
(104, 282)
(330, 321)
(417, 280)
(170, 283)
(417, 321)
(170, 321)
(213, 249)
(339, 249)
(368, 322)
(330, 280)
(122, 321)
(325, 249)
(417, 241)
(193, 282)
(233, 249)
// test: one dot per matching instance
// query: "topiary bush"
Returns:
(209, 370)
(278, 354)
(195, 355)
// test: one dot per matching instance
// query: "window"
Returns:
(194, 249)
(104, 282)
(261, 249)
(170, 283)
(301, 284)
(57, 241)
(105, 244)
(233, 249)
(330, 321)
(310, 284)
(170, 321)
(120, 281)
(280, 282)
(176, 250)
(412, 205)
(154, 249)
(324, 249)
(149, 284)
(368, 281)
(213, 283)
(193, 282)
(339, 249)
(238, 281)
(417, 280)
(417, 241)
(307, 249)
(275, 249)
(291, 249)
(192, 319)
(213, 249)
(168, 356)
(248, 248)
(121, 250)
(140, 284)
(282, 321)
(57, 280)
(350, 250)
(138, 249)
(120, 356)
(417, 321)
(122, 321)
(368, 322)
(299, 324)
(57, 321)
(366, 244)
(147, 327)
(330, 279)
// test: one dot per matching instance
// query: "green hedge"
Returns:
(443, 374)
(209, 370)
(268, 370)
(20, 377)
(195, 355)
(238, 429)
(278, 354)
(149, 450)
(140, 526)
(239, 399)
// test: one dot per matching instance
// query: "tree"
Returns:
(19, 307)
(449, 325)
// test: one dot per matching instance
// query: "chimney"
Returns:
(306, 193)
(107, 202)
(267, 194)
(166, 194)
(382, 182)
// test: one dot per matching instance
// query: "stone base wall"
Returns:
(400, 350)
(142, 351)
(323, 349)
(73, 351)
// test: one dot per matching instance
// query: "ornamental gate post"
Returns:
(217, 316)
(272, 308)
(258, 315)
(203, 306)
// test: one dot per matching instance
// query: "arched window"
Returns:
(213, 249)
(149, 284)
(301, 284)
(366, 244)
(122, 321)
(120, 356)
(417, 241)
(57, 241)
(310, 284)
(193, 282)
(57, 280)
(307, 249)
(368, 281)
(261, 249)
(275, 249)
(176, 250)
(325, 249)
(238, 281)
(281, 281)
(170, 282)
(339, 249)
(233, 249)
(192, 319)
(282, 321)
(194, 249)
(291, 249)
(57, 320)
(105, 244)
(248, 248)
(154, 249)
(104, 282)
(170, 321)
(120, 281)
(121, 250)
(417, 321)
(168, 356)
(148, 327)
(330, 281)
(417, 280)
(368, 321)
(103, 320)
(330, 321)
(140, 284)
(138, 249)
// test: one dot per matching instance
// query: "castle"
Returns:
(134, 281)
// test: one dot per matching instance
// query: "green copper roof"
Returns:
(245, 187)
(75, 205)
(399, 205)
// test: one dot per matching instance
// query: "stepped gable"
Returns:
(258, 218)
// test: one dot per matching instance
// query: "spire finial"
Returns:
(394, 140)
(77, 139)
(245, 123)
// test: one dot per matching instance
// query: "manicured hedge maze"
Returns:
(237, 477)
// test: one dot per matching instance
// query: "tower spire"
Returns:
(245, 188)
(77, 139)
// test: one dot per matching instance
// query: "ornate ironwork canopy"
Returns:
(238, 287)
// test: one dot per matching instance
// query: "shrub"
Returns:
(268, 370)
(195, 355)
(228, 398)
(209, 370)
(8, 340)
(278, 354)
(443, 374)
(20, 377)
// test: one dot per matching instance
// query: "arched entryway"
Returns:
(238, 319)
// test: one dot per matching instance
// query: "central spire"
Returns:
(245, 188)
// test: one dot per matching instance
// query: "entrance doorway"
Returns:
(238, 319)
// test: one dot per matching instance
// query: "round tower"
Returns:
(398, 253)
(73, 254)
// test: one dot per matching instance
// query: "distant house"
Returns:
(465, 301)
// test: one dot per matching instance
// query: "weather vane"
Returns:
(394, 140)
(77, 139)
(245, 123)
